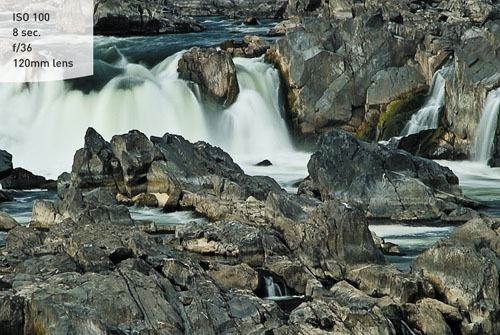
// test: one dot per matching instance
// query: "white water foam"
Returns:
(428, 116)
(44, 124)
(485, 133)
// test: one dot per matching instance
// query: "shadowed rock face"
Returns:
(383, 182)
(214, 71)
(5, 164)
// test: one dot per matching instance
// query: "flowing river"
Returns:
(136, 86)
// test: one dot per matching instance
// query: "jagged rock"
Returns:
(7, 222)
(463, 270)
(251, 46)
(5, 164)
(135, 153)
(235, 9)
(283, 27)
(95, 165)
(133, 17)
(383, 182)
(21, 179)
(327, 75)
(214, 71)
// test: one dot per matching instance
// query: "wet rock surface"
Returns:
(334, 83)
(383, 182)
(85, 265)
(214, 71)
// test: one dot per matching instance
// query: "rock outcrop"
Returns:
(132, 17)
(234, 9)
(403, 44)
(464, 272)
(250, 47)
(385, 183)
(22, 179)
(214, 71)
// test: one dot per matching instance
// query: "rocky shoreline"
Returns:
(84, 266)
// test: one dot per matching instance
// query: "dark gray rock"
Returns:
(95, 165)
(21, 179)
(5, 164)
(214, 71)
(132, 17)
(383, 182)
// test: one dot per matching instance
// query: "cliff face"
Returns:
(339, 56)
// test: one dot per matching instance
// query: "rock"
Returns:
(251, 21)
(383, 182)
(464, 273)
(234, 9)
(427, 144)
(138, 18)
(283, 27)
(327, 77)
(214, 71)
(4, 197)
(265, 162)
(145, 200)
(239, 276)
(250, 47)
(95, 165)
(21, 179)
(387, 280)
(135, 153)
(5, 164)
(7, 222)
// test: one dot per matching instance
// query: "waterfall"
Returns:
(43, 124)
(428, 116)
(273, 289)
(485, 133)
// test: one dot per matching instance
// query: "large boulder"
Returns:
(214, 71)
(22, 179)
(383, 182)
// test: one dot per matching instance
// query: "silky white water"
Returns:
(485, 133)
(428, 116)
(44, 124)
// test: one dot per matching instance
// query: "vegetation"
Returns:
(397, 113)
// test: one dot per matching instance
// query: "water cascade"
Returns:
(273, 289)
(428, 116)
(485, 133)
(43, 125)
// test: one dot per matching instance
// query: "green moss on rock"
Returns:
(397, 113)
